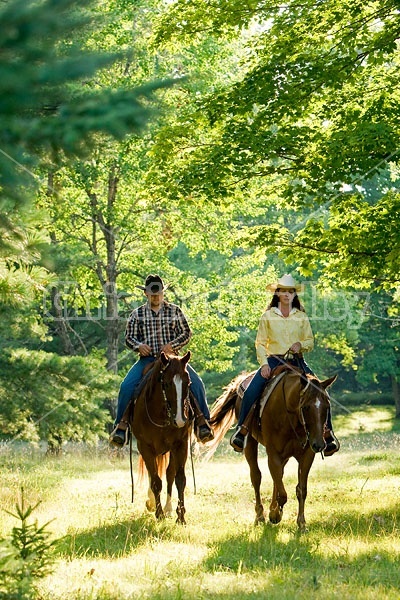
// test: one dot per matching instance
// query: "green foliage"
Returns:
(357, 244)
(45, 396)
(51, 106)
(380, 342)
(314, 108)
(39, 111)
(26, 557)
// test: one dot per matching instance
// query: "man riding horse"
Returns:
(157, 326)
(284, 334)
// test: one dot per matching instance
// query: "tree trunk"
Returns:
(107, 272)
(396, 396)
(111, 293)
(60, 323)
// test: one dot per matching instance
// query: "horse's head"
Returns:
(175, 386)
(314, 406)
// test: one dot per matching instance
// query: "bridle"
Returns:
(170, 417)
(301, 413)
(301, 406)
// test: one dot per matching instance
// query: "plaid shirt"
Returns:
(168, 326)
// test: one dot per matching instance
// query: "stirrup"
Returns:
(204, 432)
(239, 438)
(123, 430)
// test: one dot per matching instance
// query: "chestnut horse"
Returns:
(161, 425)
(291, 424)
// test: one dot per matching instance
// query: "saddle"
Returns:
(276, 375)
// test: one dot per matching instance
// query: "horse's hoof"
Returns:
(275, 518)
(150, 507)
(259, 520)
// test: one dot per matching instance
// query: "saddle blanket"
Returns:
(269, 387)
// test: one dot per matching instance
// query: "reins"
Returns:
(300, 412)
(166, 401)
(131, 466)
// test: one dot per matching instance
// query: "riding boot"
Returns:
(120, 435)
(238, 439)
(332, 443)
(202, 428)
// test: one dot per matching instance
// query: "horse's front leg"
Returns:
(305, 464)
(170, 475)
(251, 454)
(151, 501)
(279, 495)
(155, 485)
(180, 480)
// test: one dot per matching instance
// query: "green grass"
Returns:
(110, 548)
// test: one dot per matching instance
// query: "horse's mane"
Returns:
(153, 375)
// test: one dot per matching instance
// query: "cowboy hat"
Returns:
(153, 285)
(284, 283)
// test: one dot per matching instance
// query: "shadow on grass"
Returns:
(118, 539)
(331, 551)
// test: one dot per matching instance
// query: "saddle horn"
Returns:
(164, 359)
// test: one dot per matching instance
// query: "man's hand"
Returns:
(145, 350)
(168, 349)
(295, 348)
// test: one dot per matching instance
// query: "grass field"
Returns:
(109, 548)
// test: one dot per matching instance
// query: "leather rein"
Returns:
(169, 420)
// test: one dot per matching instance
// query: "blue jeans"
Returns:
(135, 374)
(258, 383)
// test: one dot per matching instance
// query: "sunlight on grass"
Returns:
(369, 419)
(112, 548)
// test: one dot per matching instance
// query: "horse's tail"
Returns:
(222, 414)
(162, 464)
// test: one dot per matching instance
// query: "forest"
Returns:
(219, 143)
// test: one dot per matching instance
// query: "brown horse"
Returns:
(161, 425)
(292, 424)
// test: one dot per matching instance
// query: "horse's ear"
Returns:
(325, 384)
(186, 357)
(164, 359)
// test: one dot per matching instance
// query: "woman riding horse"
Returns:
(290, 423)
(284, 334)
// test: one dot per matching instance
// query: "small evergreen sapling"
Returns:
(26, 557)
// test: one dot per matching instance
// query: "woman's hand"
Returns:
(295, 348)
(265, 371)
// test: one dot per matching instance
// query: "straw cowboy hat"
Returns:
(153, 285)
(284, 283)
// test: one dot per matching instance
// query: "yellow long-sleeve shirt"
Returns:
(277, 333)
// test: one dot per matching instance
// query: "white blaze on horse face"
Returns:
(319, 405)
(179, 418)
